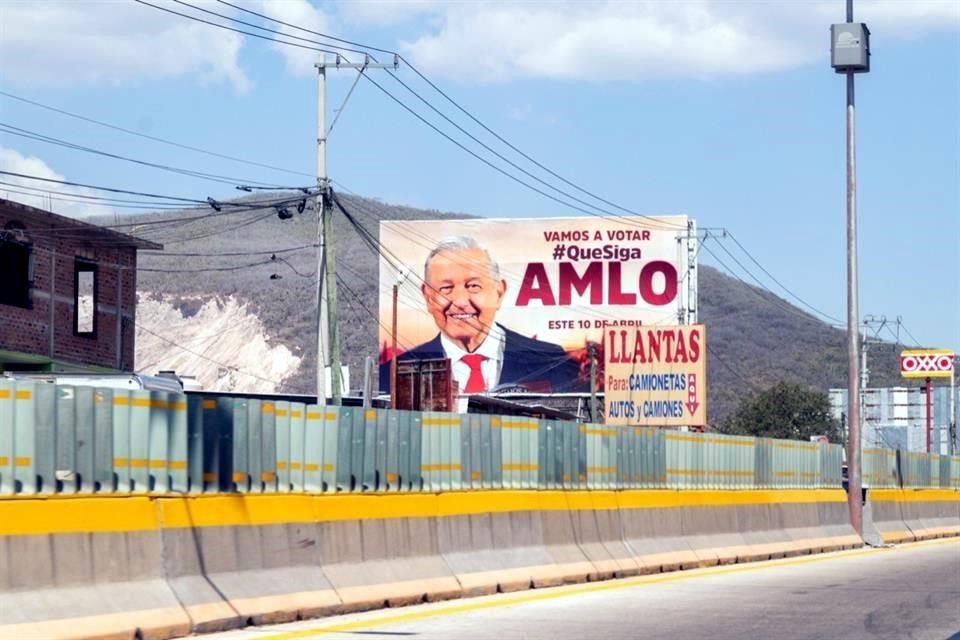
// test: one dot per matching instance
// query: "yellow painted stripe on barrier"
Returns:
(795, 474)
(77, 515)
(294, 466)
(675, 437)
(61, 515)
(510, 466)
(177, 465)
(140, 402)
(370, 415)
(707, 472)
(239, 476)
(281, 413)
(600, 432)
(22, 394)
(266, 407)
(177, 405)
(268, 476)
(4, 394)
(311, 466)
(391, 477)
(138, 463)
(209, 404)
(121, 401)
(601, 469)
(494, 422)
(158, 464)
(441, 422)
(795, 445)
(281, 466)
(17, 462)
(440, 467)
(914, 495)
(506, 424)
(475, 475)
(209, 477)
(296, 414)
(328, 467)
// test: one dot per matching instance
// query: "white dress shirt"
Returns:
(492, 348)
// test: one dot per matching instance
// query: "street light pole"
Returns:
(850, 54)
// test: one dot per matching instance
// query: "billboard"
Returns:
(514, 303)
(926, 363)
(656, 376)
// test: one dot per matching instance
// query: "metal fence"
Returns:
(894, 468)
(64, 439)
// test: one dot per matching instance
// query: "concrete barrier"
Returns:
(90, 579)
(164, 566)
(385, 562)
(904, 515)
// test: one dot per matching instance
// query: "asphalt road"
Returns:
(907, 592)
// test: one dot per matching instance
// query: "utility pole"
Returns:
(328, 350)
(592, 357)
(850, 54)
(323, 354)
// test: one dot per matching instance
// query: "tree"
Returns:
(785, 410)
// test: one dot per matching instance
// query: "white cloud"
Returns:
(30, 192)
(57, 42)
(629, 41)
(303, 14)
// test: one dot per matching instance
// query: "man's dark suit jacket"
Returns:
(538, 366)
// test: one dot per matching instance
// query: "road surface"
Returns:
(906, 592)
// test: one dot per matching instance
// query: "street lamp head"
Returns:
(850, 47)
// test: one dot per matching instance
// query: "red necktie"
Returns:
(475, 383)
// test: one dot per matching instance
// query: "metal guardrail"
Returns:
(65, 439)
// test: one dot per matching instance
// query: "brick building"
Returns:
(63, 285)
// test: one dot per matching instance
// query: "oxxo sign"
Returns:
(926, 363)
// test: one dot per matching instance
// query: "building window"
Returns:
(85, 298)
(15, 266)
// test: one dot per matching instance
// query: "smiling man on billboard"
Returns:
(463, 290)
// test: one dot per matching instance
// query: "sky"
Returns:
(727, 111)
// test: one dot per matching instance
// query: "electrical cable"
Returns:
(774, 299)
(165, 254)
(446, 96)
(419, 117)
(221, 26)
(212, 177)
(154, 138)
(782, 286)
(200, 355)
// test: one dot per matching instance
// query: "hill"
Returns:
(248, 321)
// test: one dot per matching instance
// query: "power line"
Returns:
(446, 96)
(417, 115)
(155, 138)
(782, 286)
(111, 190)
(213, 177)
(223, 26)
(200, 355)
(729, 368)
(166, 254)
(773, 299)
(41, 194)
